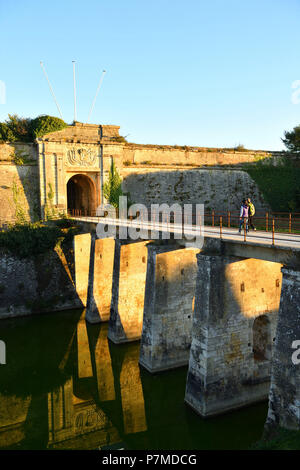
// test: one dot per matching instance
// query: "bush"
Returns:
(120, 138)
(17, 129)
(6, 134)
(239, 148)
(44, 124)
(30, 239)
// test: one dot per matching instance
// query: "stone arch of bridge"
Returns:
(81, 194)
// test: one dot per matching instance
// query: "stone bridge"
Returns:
(230, 311)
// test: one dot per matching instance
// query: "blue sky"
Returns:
(211, 73)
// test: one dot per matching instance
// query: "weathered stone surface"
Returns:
(129, 277)
(100, 282)
(103, 366)
(284, 399)
(219, 189)
(42, 283)
(230, 354)
(19, 184)
(82, 250)
(87, 150)
(83, 350)
(168, 309)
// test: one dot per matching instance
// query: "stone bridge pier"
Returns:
(284, 399)
(235, 317)
(128, 291)
(100, 280)
(168, 309)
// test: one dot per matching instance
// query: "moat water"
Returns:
(65, 386)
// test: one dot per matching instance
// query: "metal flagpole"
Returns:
(51, 89)
(97, 91)
(74, 82)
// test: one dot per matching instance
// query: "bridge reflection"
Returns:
(92, 399)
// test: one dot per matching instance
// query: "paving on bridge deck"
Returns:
(284, 240)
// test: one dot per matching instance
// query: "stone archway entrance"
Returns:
(81, 193)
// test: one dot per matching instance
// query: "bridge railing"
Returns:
(271, 222)
(286, 222)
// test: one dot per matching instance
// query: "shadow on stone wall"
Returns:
(217, 189)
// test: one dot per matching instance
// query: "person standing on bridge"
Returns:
(251, 213)
(244, 211)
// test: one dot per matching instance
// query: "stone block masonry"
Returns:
(42, 283)
(19, 186)
(168, 310)
(82, 250)
(236, 306)
(100, 282)
(284, 399)
(219, 189)
(129, 277)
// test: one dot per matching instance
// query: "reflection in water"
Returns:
(66, 386)
(103, 365)
(132, 395)
(84, 355)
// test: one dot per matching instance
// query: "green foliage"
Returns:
(25, 240)
(30, 239)
(64, 223)
(283, 439)
(112, 188)
(18, 129)
(20, 159)
(239, 148)
(292, 139)
(120, 138)
(278, 184)
(18, 198)
(6, 134)
(44, 124)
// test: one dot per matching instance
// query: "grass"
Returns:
(283, 439)
(279, 185)
(30, 239)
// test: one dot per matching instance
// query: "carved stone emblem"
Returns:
(81, 157)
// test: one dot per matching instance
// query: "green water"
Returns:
(66, 386)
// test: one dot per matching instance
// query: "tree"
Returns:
(292, 139)
(44, 124)
(6, 135)
(18, 129)
(112, 188)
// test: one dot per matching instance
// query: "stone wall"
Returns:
(168, 308)
(34, 176)
(284, 398)
(235, 318)
(175, 155)
(19, 183)
(30, 173)
(43, 283)
(218, 189)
